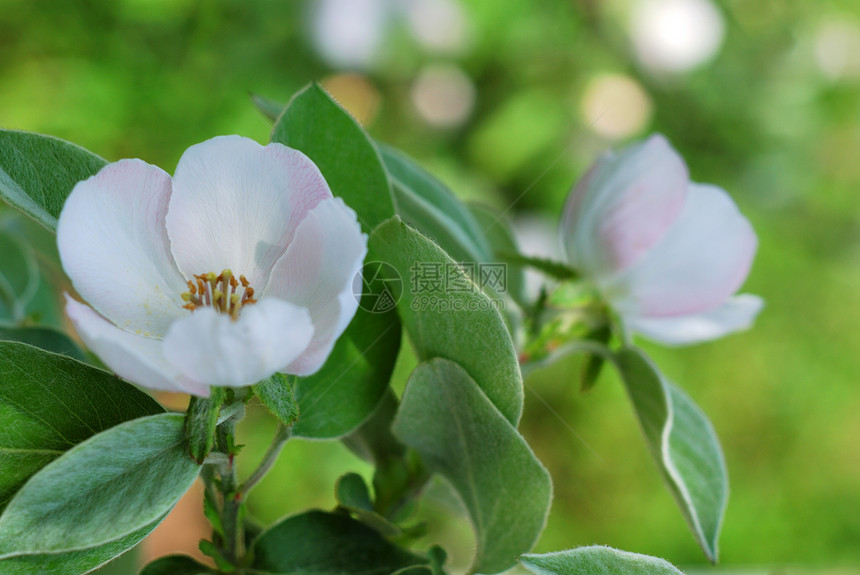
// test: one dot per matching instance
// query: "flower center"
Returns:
(219, 292)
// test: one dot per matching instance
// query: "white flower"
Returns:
(238, 267)
(665, 253)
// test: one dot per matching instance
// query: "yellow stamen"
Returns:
(219, 293)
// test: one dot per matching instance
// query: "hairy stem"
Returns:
(230, 495)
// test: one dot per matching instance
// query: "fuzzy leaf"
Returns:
(460, 434)
(684, 445)
(200, 422)
(37, 173)
(49, 403)
(446, 315)
(74, 562)
(113, 484)
(277, 394)
(596, 560)
(316, 542)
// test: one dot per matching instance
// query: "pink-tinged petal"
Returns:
(135, 358)
(209, 346)
(114, 247)
(237, 204)
(701, 261)
(737, 314)
(623, 206)
(317, 273)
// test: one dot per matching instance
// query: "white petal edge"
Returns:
(209, 346)
(114, 247)
(317, 272)
(698, 264)
(623, 206)
(132, 357)
(737, 314)
(237, 204)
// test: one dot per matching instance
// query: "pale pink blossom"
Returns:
(238, 267)
(666, 253)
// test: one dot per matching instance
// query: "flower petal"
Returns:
(623, 206)
(236, 205)
(114, 247)
(317, 272)
(209, 346)
(133, 357)
(737, 314)
(701, 261)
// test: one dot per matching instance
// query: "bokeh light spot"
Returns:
(443, 95)
(837, 48)
(615, 106)
(439, 25)
(676, 35)
(349, 33)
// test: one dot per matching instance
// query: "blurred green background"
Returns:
(508, 101)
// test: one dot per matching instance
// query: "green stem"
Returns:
(281, 437)
(231, 497)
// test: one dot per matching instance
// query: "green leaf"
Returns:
(19, 276)
(37, 173)
(43, 337)
(450, 317)
(217, 554)
(437, 557)
(346, 391)
(425, 203)
(468, 233)
(460, 434)
(596, 560)
(277, 394)
(338, 398)
(176, 565)
(351, 491)
(269, 108)
(113, 484)
(316, 542)
(201, 419)
(353, 496)
(50, 403)
(499, 234)
(315, 124)
(684, 445)
(74, 562)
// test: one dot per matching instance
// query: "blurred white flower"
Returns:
(667, 254)
(153, 257)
